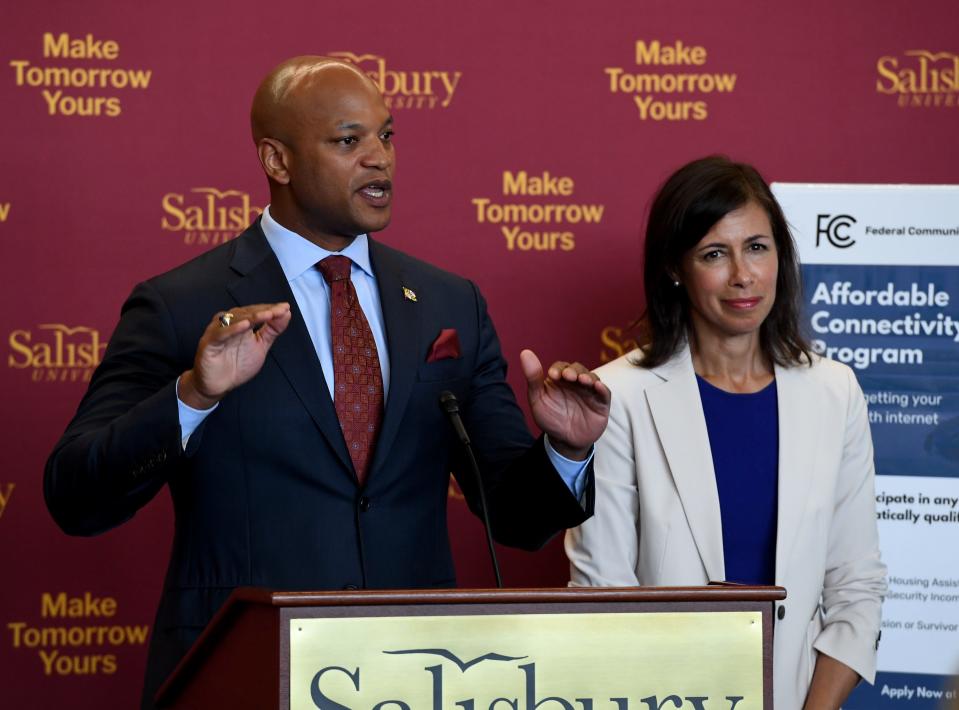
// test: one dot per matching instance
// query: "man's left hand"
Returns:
(568, 402)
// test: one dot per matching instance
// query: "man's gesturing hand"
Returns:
(568, 402)
(228, 356)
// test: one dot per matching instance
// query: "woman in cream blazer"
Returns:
(657, 515)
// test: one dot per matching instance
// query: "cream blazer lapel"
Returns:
(799, 400)
(677, 412)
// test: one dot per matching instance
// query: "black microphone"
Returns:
(450, 405)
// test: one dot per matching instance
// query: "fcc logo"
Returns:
(835, 228)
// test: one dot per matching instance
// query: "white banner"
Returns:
(881, 281)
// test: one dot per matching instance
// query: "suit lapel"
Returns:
(401, 318)
(681, 426)
(798, 434)
(261, 280)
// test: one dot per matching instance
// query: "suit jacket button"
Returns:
(365, 504)
(781, 613)
(350, 587)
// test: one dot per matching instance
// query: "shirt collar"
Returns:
(298, 255)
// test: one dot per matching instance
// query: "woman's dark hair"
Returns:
(686, 207)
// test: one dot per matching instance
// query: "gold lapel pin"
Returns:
(409, 294)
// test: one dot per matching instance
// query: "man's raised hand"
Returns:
(568, 402)
(229, 355)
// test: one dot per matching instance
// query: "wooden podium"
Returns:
(531, 649)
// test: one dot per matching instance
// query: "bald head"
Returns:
(292, 88)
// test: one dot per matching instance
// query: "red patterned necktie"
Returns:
(357, 379)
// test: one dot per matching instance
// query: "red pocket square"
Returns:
(445, 347)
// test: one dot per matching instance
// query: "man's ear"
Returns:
(275, 159)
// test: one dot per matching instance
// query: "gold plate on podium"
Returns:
(577, 661)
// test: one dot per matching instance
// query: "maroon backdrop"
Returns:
(127, 151)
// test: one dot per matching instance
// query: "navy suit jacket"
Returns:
(265, 493)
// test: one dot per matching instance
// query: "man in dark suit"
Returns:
(298, 428)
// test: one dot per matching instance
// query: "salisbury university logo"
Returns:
(920, 78)
(335, 687)
(207, 215)
(403, 88)
(55, 352)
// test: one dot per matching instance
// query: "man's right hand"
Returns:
(226, 357)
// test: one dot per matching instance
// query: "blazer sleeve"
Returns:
(527, 499)
(125, 436)
(604, 551)
(855, 577)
